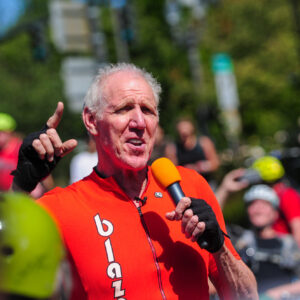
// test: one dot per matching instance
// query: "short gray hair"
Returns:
(94, 99)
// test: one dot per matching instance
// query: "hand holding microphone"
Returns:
(205, 228)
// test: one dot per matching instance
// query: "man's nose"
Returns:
(137, 119)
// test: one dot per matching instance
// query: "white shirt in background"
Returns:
(82, 165)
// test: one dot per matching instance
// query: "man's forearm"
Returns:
(222, 195)
(238, 280)
(295, 227)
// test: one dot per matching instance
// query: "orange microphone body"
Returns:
(168, 176)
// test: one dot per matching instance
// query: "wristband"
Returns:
(30, 168)
(212, 238)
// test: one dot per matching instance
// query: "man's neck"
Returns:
(190, 142)
(133, 183)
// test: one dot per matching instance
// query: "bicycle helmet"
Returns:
(269, 168)
(31, 248)
(261, 192)
(7, 123)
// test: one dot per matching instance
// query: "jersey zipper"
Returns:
(153, 252)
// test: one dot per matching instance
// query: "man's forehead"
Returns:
(124, 75)
(126, 81)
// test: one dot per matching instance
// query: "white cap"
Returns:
(262, 192)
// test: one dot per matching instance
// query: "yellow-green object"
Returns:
(269, 168)
(31, 248)
(7, 122)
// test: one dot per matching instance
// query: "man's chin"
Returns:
(136, 163)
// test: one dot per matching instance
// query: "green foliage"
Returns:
(259, 36)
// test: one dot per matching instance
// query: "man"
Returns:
(274, 259)
(194, 151)
(117, 222)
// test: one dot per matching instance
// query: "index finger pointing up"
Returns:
(54, 120)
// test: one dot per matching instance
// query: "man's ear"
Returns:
(90, 121)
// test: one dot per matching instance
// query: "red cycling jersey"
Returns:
(120, 251)
(8, 162)
(289, 207)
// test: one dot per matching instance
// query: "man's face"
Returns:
(261, 213)
(127, 126)
(185, 129)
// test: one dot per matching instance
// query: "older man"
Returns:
(117, 223)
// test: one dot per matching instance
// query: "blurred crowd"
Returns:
(10, 142)
(269, 244)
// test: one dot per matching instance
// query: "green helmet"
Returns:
(269, 168)
(7, 122)
(31, 248)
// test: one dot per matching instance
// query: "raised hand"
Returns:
(40, 153)
(48, 143)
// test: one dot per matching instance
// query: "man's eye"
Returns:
(147, 110)
(123, 109)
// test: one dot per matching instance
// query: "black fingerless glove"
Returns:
(212, 238)
(31, 169)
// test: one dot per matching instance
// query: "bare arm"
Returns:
(295, 228)
(284, 291)
(230, 184)
(238, 281)
(212, 162)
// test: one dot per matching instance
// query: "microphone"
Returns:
(168, 177)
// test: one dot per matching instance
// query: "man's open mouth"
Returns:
(135, 142)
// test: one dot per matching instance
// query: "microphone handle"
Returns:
(176, 194)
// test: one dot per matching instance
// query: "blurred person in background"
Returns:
(160, 144)
(272, 172)
(193, 151)
(235, 181)
(273, 258)
(31, 250)
(82, 164)
(9, 149)
(10, 144)
(268, 170)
